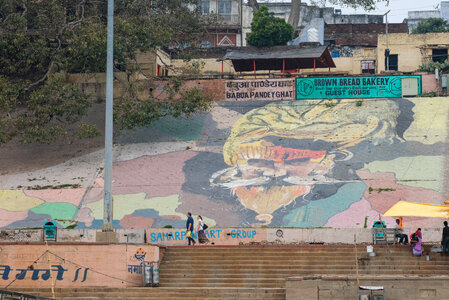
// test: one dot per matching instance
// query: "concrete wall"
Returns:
(217, 235)
(251, 163)
(209, 66)
(307, 14)
(353, 64)
(412, 49)
(238, 236)
(429, 83)
(444, 8)
(74, 265)
(345, 287)
(414, 17)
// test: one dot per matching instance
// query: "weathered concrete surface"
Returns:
(345, 287)
(219, 236)
(253, 163)
(74, 265)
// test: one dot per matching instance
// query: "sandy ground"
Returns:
(18, 157)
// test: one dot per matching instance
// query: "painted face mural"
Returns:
(280, 153)
(250, 163)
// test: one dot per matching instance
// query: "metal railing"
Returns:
(9, 295)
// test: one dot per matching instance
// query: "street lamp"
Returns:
(387, 51)
(107, 214)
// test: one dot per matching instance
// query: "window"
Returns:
(393, 62)
(368, 67)
(439, 55)
(335, 54)
(224, 7)
(204, 7)
(206, 44)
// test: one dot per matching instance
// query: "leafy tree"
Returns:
(42, 41)
(365, 4)
(431, 25)
(432, 65)
(267, 30)
(296, 6)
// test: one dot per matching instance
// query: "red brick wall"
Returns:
(359, 34)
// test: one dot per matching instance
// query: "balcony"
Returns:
(232, 20)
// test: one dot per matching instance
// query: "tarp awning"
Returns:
(410, 209)
(288, 59)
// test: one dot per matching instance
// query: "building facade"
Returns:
(354, 46)
(307, 15)
(227, 30)
(414, 17)
(409, 51)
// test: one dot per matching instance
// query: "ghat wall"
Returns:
(252, 162)
(74, 265)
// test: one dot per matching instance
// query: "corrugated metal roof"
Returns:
(286, 58)
(314, 52)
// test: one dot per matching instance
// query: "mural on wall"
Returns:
(73, 265)
(307, 163)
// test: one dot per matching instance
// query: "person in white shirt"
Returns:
(200, 231)
(400, 233)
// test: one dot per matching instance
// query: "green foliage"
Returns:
(87, 131)
(267, 30)
(431, 25)
(329, 103)
(365, 4)
(428, 94)
(40, 41)
(180, 101)
(430, 66)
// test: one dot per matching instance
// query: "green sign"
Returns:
(351, 87)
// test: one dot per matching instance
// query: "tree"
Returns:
(430, 66)
(296, 7)
(431, 25)
(267, 30)
(40, 41)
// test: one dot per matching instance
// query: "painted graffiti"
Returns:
(41, 274)
(181, 235)
(140, 257)
(140, 254)
(138, 269)
(210, 233)
(266, 89)
(305, 163)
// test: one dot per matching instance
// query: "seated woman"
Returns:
(416, 241)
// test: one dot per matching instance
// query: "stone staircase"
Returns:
(258, 272)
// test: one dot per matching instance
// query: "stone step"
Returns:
(163, 293)
(259, 267)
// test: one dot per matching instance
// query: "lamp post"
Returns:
(107, 214)
(387, 50)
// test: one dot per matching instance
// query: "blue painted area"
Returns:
(39, 274)
(184, 129)
(159, 221)
(97, 224)
(156, 237)
(317, 213)
(32, 220)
